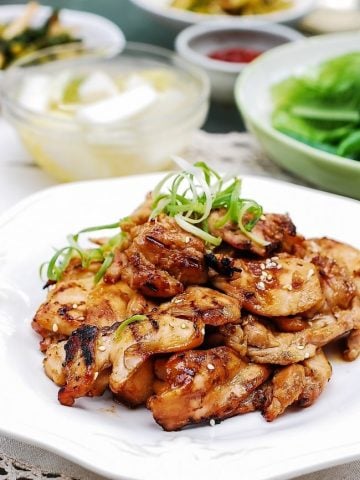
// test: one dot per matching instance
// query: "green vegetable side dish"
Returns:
(188, 196)
(19, 38)
(322, 107)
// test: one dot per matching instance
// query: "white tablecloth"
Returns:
(19, 177)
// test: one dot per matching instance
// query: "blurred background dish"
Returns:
(223, 49)
(25, 28)
(254, 99)
(178, 18)
(332, 16)
(95, 116)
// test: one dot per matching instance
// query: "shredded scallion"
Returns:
(190, 196)
(102, 254)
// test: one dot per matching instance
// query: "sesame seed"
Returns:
(55, 328)
(269, 277)
(278, 266)
(274, 258)
(80, 318)
(262, 217)
(307, 355)
(187, 239)
(310, 273)
(210, 366)
(177, 300)
(287, 287)
(96, 374)
(260, 285)
(102, 348)
(212, 423)
(183, 325)
(262, 266)
(301, 347)
(75, 305)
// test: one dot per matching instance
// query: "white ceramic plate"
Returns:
(178, 18)
(127, 444)
(95, 30)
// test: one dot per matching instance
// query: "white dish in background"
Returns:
(178, 18)
(195, 43)
(94, 30)
(127, 444)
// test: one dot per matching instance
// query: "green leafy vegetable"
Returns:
(322, 107)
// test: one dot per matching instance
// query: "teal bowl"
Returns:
(253, 97)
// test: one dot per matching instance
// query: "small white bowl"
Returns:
(195, 43)
(94, 30)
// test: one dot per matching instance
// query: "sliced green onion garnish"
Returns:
(105, 265)
(102, 254)
(97, 228)
(198, 232)
(190, 196)
(60, 261)
(125, 323)
(243, 227)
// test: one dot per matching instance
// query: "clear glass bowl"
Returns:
(70, 149)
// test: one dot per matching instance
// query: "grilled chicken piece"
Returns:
(317, 374)
(290, 324)
(336, 283)
(257, 399)
(276, 230)
(161, 259)
(233, 336)
(352, 350)
(347, 258)
(139, 387)
(257, 339)
(75, 364)
(204, 385)
(343, 254)
(75, 301)
(64, 309)
(280, 286)
(287, 386)
(140, 215)
(208, 305)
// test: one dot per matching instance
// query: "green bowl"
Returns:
(253, 97)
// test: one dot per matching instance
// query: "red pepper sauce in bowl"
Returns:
(235, 55)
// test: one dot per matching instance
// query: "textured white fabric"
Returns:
(18, 178)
